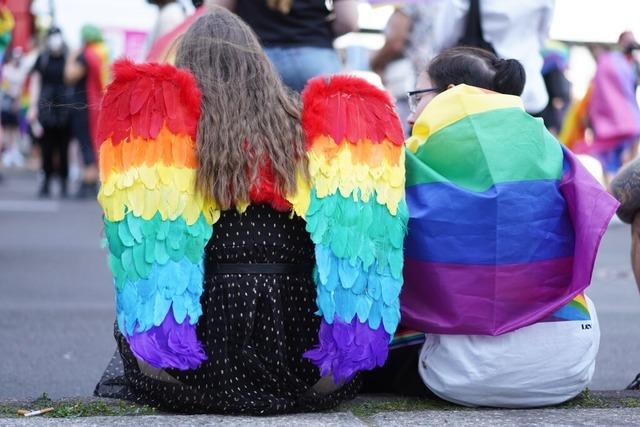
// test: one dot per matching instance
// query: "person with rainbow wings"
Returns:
(256, 243)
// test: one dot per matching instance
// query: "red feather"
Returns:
(266, 191)
(346, 107)
(143, 97)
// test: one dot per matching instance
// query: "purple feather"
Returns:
(170, 345)
(347, 348)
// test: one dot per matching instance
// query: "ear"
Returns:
(451, 86)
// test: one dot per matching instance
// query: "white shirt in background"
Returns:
(517, 29)
(169, 17)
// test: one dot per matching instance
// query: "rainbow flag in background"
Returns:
(96, 57)
(504, 224)
(7, 23)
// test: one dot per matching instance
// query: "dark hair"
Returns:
(476, 67)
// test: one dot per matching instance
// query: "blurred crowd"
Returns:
(51, 95)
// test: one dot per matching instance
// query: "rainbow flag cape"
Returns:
(610, 106)
(156, 225)
(574, 126)
(504, 223)
(96, 56)
(613, 108)
(357, 217)
(7, 23)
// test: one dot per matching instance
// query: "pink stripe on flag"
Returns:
(483, 299)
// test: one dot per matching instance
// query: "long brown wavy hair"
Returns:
(248, 116)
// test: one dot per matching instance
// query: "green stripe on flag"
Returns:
(488, 148)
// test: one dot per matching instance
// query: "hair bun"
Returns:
(510, 77)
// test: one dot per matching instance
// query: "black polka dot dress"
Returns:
(254, 328)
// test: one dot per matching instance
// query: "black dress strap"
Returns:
(260, 268)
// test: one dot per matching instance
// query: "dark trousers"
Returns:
(399, 375)
(55, 152)
(80, 131)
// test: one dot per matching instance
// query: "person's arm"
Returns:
(397, 34)
(74, 69)
(35, 85)
(346, 17)
(635, 249)
(626, 188)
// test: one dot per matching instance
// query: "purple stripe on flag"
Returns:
(481, 299)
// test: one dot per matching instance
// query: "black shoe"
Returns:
(635, 384)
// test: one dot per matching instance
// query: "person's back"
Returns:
(515, 29)
(303, 23)
(504, 227)
(298, 34)
(205, 195)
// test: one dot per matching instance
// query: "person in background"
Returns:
(170, 14)
(612, 110)
(164, 48)
(555, 56)
(14, 75)
(626, 188)
(7, 22)
(87, 70)
(515, 29)
(48, 113)
(298, 35)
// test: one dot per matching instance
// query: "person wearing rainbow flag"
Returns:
(7, 22)
(503, 231)
(87, 70)
(609, 109)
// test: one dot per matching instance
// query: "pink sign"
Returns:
(135, 44)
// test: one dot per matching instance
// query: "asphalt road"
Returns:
(56, 298)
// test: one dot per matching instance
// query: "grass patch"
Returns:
(78, 408)
(586, 399)
(368, 406)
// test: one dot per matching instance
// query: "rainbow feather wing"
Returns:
(156, 225)
(357, 216)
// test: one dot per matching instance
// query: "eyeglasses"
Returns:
(414, 98)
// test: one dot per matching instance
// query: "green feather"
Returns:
(141, 266)
(135, 226)
(149, 250)
(124, 234)
(161, 254)
(128, 264)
